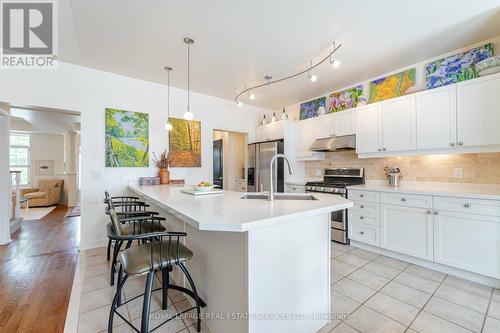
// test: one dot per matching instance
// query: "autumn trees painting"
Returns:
(185, 143)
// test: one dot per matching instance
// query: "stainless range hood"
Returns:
(346, 142)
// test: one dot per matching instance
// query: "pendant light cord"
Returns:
(188, 108)
(168, 95)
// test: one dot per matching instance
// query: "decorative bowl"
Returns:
(489, 71)
(203, 188)
(488, 63)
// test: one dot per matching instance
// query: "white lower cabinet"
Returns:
(458, 232)
(407, 230)
(468, 241)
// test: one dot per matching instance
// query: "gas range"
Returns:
(336, 180)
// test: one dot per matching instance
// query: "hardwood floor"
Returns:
(36, 274)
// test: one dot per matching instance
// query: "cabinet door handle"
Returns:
(429, 212)
(460, 143)
(361, 195)
(379, 149)
(361, 206)
(383, 149)
(452, 144)
(403, 199)
(361, 218)
(436, 212)
(361, 232)
(466, 205)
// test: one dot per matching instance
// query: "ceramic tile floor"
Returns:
(374, 293)
(370, 293)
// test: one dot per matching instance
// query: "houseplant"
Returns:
(162, 164)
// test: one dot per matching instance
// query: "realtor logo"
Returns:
(29, 34)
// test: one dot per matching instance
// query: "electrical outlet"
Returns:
(458, 173)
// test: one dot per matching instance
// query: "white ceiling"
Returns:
(237, 41)
(43, 120)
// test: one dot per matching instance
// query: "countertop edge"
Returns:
(246, 226)
(438, 192)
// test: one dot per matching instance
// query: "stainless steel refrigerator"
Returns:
(259, 159)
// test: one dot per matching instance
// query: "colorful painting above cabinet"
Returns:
(456, 68)
(310, 109)
(345, 99)
(391, 86)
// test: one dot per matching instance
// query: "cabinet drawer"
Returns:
(409, 200)
(367, 196)
(364, 233)
(465, 205)
(365, 208)
(357, 217)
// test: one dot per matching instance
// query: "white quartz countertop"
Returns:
(228, 212)
(481, 191)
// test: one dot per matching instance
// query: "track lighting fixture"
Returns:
(269, 79)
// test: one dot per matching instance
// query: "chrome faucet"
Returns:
(290, 172)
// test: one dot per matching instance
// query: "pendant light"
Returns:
(168, 125)
(188, 115)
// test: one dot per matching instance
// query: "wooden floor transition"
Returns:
(36, 274)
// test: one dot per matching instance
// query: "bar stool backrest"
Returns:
(114, 219)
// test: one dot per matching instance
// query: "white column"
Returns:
(5, 190)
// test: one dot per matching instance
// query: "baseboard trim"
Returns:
(486, 280)
(93, 244)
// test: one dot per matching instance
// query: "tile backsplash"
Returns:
(481, 168)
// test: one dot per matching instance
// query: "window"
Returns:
(19, 155)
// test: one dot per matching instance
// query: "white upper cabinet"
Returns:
(399, 124)
(323, 127)
(305, 134)
(479, 111)
(269, 132)
(368, 123)
(343, 123)
(436, 118)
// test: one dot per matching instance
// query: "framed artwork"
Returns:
(310, 109)
(391, 86)
(184, 142)
(456, 68)
(44, 167)
(127, 138)
(345, 99)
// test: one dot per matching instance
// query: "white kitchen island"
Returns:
(260, 266)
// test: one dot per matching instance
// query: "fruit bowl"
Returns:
(203, 187)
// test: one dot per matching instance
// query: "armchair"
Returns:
(47, 193)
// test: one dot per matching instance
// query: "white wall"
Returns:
(46, 147)
(89, 92)
(293, 110)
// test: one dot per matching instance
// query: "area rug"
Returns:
(73, 212)
(35, 213)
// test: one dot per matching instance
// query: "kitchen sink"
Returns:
(280, 196)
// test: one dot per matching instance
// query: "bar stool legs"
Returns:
(146, 305)
(165, 279)
(195, 294)
(115, 304)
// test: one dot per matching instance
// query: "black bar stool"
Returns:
(131, 211)
(157, 251)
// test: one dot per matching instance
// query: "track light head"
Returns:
(336, 64)
(313, 78)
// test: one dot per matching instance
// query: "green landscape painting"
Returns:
(184, 143)
(127, 138)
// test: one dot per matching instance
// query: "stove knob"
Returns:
(321, 189)
(312, 188)
(330, 190)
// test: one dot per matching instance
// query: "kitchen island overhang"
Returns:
(261, 266)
